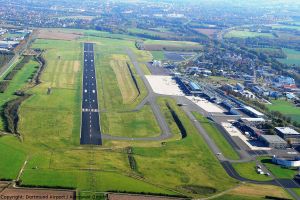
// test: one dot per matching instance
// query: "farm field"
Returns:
(293, 57)
(218, 138)
(248, 170)
(286, 108)
(246, 34)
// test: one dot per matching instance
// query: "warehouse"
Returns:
(273, 141)
(252, 112)
(288, 134)
(287, 161)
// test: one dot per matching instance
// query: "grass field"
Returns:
(293, 57)
(218, 138)
(248, 170)
(132, 124)
(286, 108)
(18, 83)
(128, 89)
(246, 34)
(12, 158)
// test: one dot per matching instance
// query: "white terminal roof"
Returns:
(253, 111)
(287, 130)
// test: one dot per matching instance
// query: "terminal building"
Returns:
(273, 141)
(288, 134)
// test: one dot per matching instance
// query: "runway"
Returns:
(90, 124)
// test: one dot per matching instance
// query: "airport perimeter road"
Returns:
(90, 124)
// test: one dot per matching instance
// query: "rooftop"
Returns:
(194, 86)
(253, 110)
(287, 130)
(249, 119)
(273, 138)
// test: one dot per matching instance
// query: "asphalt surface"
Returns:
(90, 126)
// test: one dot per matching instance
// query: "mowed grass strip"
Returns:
(218, 137)
(126, 84)
(248, 170)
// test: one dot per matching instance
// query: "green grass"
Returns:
(277, 170)
(158, 55)
(19, 82)
(297, 191)
(12, 157)
(248, 170)
(285, 107)
(178, 161)
(246, 34)
(293, 57)
(218, 138)
(132, 124)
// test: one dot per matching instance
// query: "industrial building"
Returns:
(194, 86)
(288, 134)
(273, 141)
(252, 112)
(287, 161)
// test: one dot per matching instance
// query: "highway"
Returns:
(90, 123)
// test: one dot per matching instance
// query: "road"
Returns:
(90, 123)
